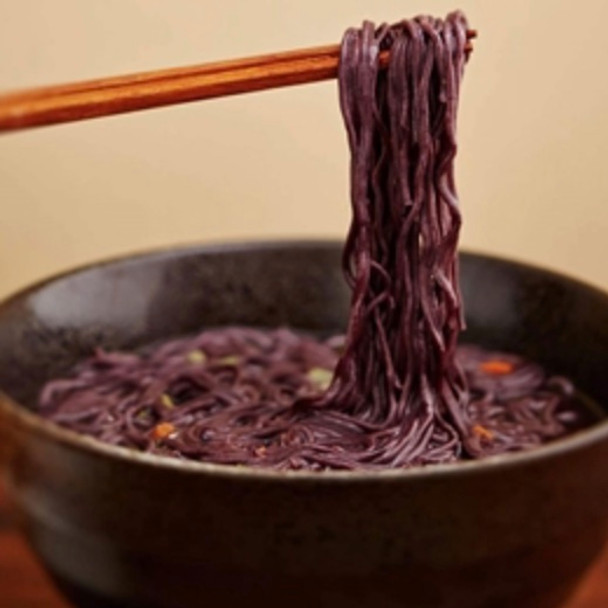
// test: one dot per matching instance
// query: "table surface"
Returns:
(23, 583)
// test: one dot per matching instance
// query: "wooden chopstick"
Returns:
(107, 96)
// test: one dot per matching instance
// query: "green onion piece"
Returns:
(229, 360)
(321, 377)
(196, 356)
(167, 401)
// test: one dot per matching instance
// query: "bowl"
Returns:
(118, 528)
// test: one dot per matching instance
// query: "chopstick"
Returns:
(116, 95)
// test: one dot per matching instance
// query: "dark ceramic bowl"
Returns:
(122, 529)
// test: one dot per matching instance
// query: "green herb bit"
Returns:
(321, 377)
(229, 360)
(167, 401)
(196, 356)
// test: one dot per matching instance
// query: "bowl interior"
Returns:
(124, 304)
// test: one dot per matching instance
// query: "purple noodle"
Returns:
(395, 391)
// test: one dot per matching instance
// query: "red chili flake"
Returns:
(483, 432)
(163, 430)
(496, 367)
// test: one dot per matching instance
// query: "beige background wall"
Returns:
(532, 169)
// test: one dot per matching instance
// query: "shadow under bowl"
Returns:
(120, 528)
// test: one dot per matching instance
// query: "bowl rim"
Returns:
(17, 414)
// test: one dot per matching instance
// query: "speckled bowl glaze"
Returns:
(122, 529)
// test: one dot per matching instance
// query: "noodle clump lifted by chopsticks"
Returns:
(395, 391)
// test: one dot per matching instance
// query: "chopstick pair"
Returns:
(107, 96)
